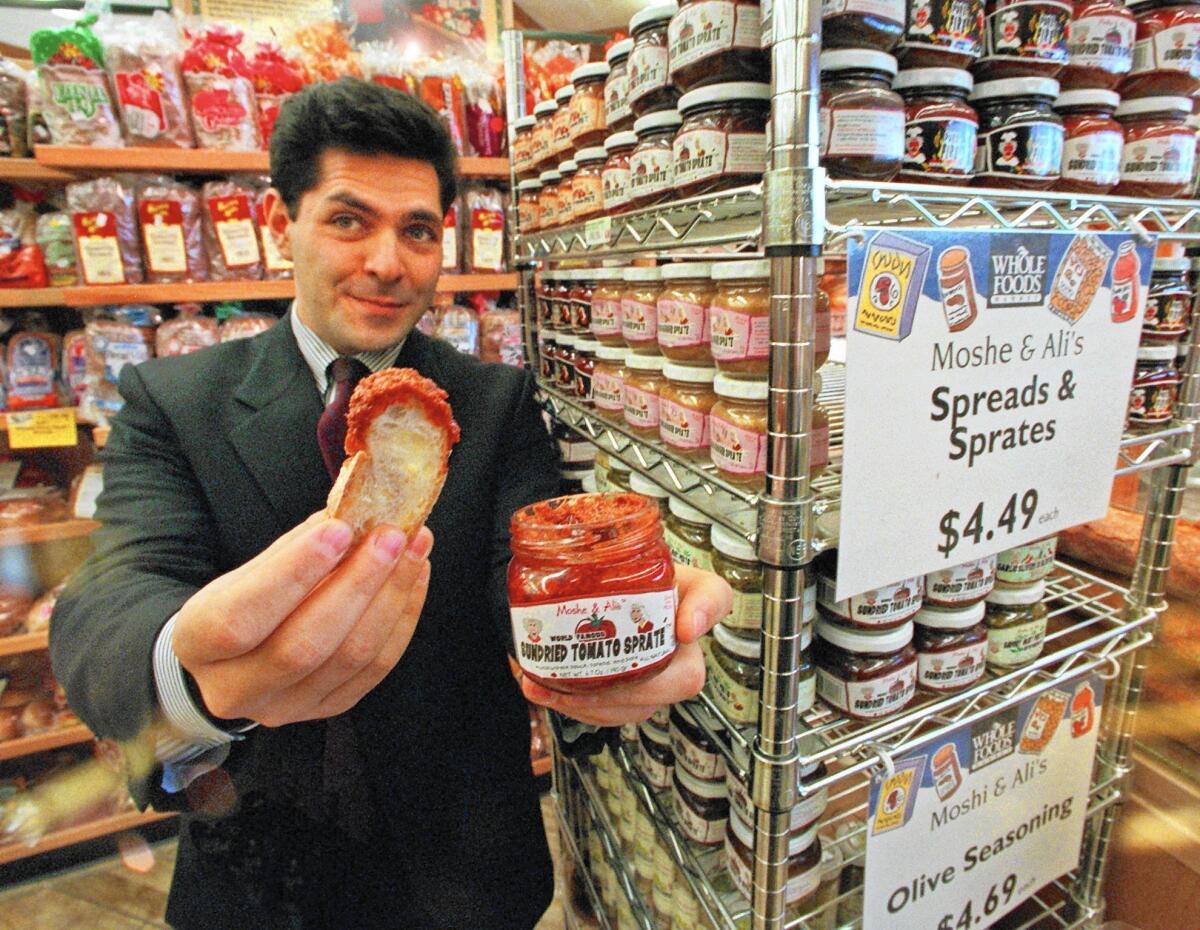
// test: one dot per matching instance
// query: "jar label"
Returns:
(961, 584)
(940, 146)
(686, 553)
(641, 407)
(595, 637)
(862, 132)
(682, 323)
(1028, 563)
(606, 316)
(657, 772)
(586, 114)
(1152, 405)
(1094, 158)
(587, 194)
(527, 216)
(1167, 312)
(1102, 42)
(682, 427)
(872, 699)
(1176, 48)
(647, 70)
(548, 208)
(607, 392)
(699, 154)
(707, 766)
(890, 10)
(1029, 149)
(1016, 645)
(747, 612)
(583, 383)
(884, 606)
(639, 321)
(948, 671)
(798, 886)
(710, 27)
(695, 827)
(1162, 160)
(818, 449)
(737, 336)
(806, 693)
(616, 98)
(805, 812)
(954, 26)
(651, 171)
(737, 450)
(615, 188)
(733, 699)
(581, 314)
(1034, 29)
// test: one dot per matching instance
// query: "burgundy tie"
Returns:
(344, 373)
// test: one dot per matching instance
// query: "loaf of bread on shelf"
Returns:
(399, 433)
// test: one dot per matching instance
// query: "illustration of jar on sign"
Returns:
(958, 288)
(1125, 275)
(947, 774)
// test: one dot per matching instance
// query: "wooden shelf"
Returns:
(80, 834)
(24, 642)
(13, 297)
(458, 283)
(47, 532)
(42, 742)
(30, 170)
(495, 168)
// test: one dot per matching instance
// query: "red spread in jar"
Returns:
(862, 119)
(716, 41)
(1155, 385)
(865, 675)
(1092, 143)
(560, 123)
(722, 142)
(1020, 135)
(941, 128)
(1169, 304)
(876, 24)
(1099, 45)
(548, 199)
(583, 285)
(587, 187)
(1160, 148)
(528, 193)
(942, 34)
(951, 647)
(883, 608)
(543, 135)
(615, 175)
(592, 591)
(1024, 38)
(1166, 54)
(617, 114)
(650, 85)
(587, 125)
(652, 162)
(961, 585)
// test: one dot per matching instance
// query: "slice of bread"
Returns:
(399, 433)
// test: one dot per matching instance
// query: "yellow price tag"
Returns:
(39, 429)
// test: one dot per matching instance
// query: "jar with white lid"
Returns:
(734, 675)
(701, 807)
(643, 382)
(585, 367)
(1016, 622)
(737, 562)
(883, 608)
(548, 200)
(803, 867)
(617, 114)
(862, 118)
(566, 192)
(616, 173)
(722, 141)
(1092, 141)
(1031, 562)
(608, 382)
(640, 484)
(951, 647)
(650, 86)
(528, 195)
(652, 162)
(565, 370)
(695, 751)
(866, 676)
(639, 309)
(1159, 155)
(658, 761)
(560, 123)
(685, 402)
(686, 531)
(543, 136)
(587, 187)
(587, 126)
(738, 431)
(606, 306)
(522, 147)
(564, 311)
(960, 585)
(687, 292)
(808, 809)
(1020, 135)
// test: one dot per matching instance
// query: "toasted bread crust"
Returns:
(375, 393)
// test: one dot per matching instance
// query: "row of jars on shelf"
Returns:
(1162, 354)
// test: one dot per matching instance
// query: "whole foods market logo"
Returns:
(1017, 268)
(993, 739)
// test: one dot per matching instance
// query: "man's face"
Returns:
(367, 245)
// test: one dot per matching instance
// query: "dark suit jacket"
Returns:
(212, 458)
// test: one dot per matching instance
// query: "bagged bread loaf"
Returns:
(76, 102)
(276, 77)
(189, 332)
(220, 89)
(14, 111)
(230, 232)
(172, 233)
(142, 58)
(104, 215)
(116, 337)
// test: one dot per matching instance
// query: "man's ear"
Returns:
(278, 222)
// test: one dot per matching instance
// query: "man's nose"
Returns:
(384, 257)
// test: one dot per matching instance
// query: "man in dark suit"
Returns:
(348, 752)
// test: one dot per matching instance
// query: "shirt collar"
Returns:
(318, 354)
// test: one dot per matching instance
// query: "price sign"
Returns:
(40, 429)
(996, 807)
(986, 391)
(596, 232)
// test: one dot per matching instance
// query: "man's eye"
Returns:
(346, 221)
(423, 233)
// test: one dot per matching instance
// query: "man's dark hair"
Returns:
(360, 117)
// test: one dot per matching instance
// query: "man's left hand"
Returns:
(704, 599)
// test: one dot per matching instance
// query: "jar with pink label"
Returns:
(687, 398)
(652, 162)
(683, 312)
(722, 142)
(606, 306)
(639, 309)
(614, 176)
(738, 431)
(608, 382)
(643, 381)
(739, 318)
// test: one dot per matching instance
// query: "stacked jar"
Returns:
(949, 634)
(1157, 376)
(1016, 618)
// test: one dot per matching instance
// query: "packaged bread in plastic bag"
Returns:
(189, 332)
(76, 99)
(56, 238)
(220, 89)
(74, 365)
(14, 111)
(276, 266)
(276, 77)
(237, 323)
(230, 231)
(104, 214)
(142, 58)
(21, 261)
(116, 337)
(169, 217)
(325, 47)
(483, 224)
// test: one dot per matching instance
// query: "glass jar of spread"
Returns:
(618, 477)
(522, 147)
(875, 24)
(1020, 135)
(1099, 45)
(951, 647)
(564, 313)
(528, 194)
(834, 288)
(543, 136)
(683, 312)
(960, 586)
(587, 187)
(617, 114)
(566, 192)
(803, 867)
(885, 608)
(654, 753)
(686, 400)
(686, 531)
(585, 367)
(739, 318)
(587, 125)
(942, 35)
(940, 127)
(1155, 386)
(565, 370)
(548, 200)
(716, 41)
(583, 285)
(640, 484)
(1169, 303)
(722, 142)
(592, 591)
(615, 174)
(643, 381)
(808, 809)
(865, 675)
(862, 118)
(736, 561)
(543, 283)
(1092, 141)
(548, 357)
(606, 306)
(560, 124)
(650, 85)
(651, 163)
(734, 675)
(824, 901)
(1025, 564)
(1165, 55)
(701, 808)
(738, 431)
(1016, 624)
(639, 309)
(1023, 38)
(695, 751)
(1160, 147)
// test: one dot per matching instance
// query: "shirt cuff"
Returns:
(192, 734)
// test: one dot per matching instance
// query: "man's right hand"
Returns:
(305, 629)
